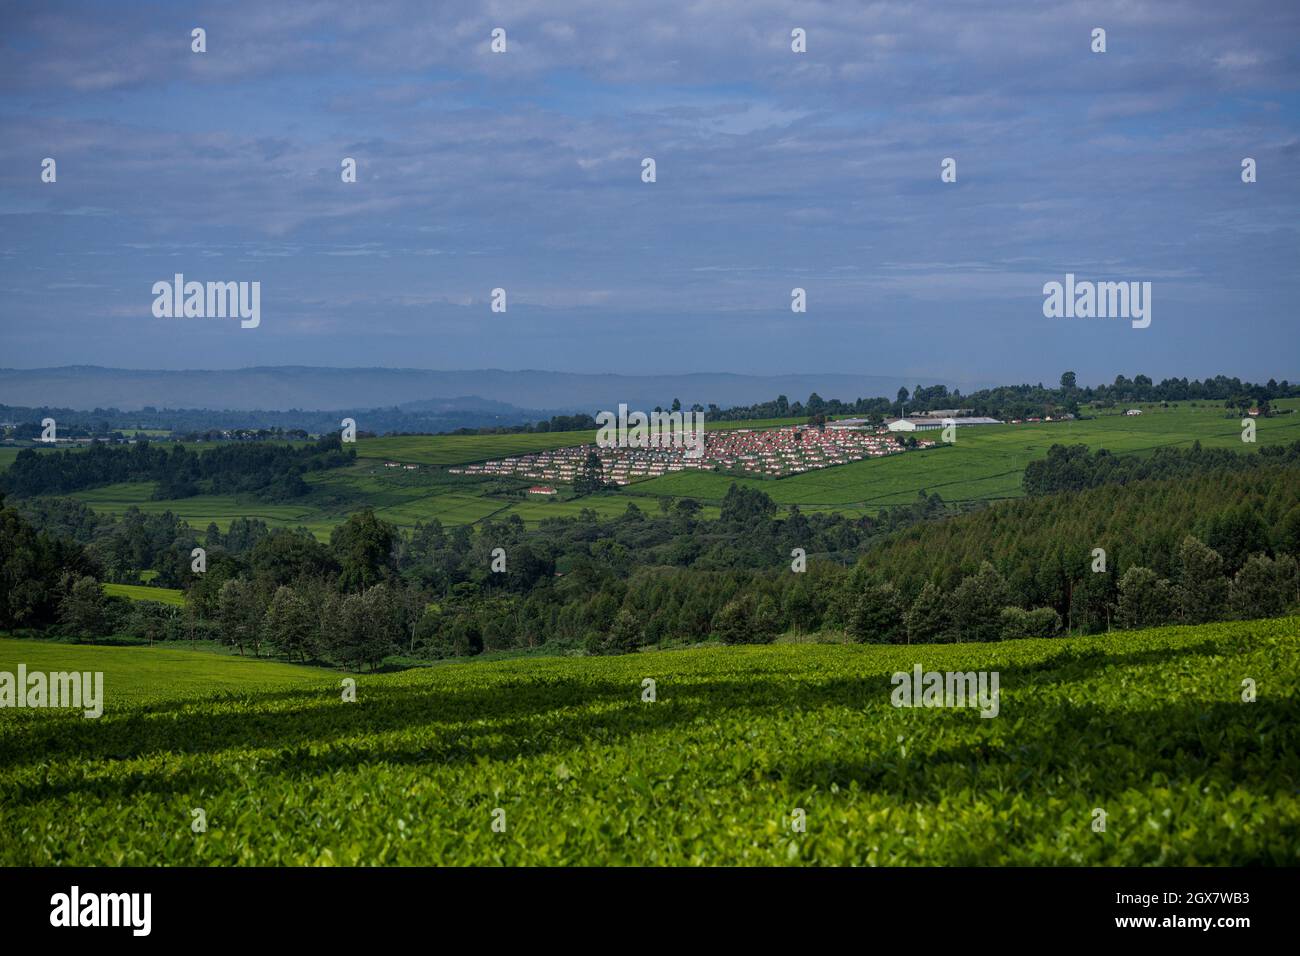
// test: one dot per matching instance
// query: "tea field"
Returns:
(1149, 727)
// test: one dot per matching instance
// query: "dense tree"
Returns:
(1072, 468)
(33, 567)
(877, 616)
(625, 634)
(288, 625)
(746, 619)
(1263, 587)
(651, 576)
(1016, 622)
(1202, 588)
(272, 472)
(1235, 534)
(592, 477)
(81, 611)
(363, 548)
(1019, 401)
(283, 557)
(1288, 533)
(1145, 599)
(928, 619)
(975, 606)
(239, 615)
(744, 506)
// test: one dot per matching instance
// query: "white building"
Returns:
(921, 424)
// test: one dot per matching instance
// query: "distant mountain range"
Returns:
(529, 393)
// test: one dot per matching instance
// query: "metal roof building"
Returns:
(919, 424)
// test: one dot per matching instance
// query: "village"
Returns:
(765, 453)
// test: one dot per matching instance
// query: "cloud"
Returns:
(522, 170)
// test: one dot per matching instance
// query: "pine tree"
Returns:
(81, 611)
(927, 620)
(877, 616)
(975, 606)
(1202, 588)
(1145, 599)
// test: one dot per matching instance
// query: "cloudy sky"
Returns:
(775, 169)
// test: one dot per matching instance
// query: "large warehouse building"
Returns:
(925, 423)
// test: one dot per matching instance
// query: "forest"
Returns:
(1217, 543)
(264, 470)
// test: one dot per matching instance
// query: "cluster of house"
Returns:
(564, 465)
(791, 450)
(771, 453)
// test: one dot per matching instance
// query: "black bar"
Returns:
(332, 906)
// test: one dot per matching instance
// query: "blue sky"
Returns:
(522, 170)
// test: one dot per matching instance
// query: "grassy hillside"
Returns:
(138, 676)
(987, 462)
(198, 510)
(398, 499)
(140, 592)
(984, 463)
(463, 449)
(1148, 726)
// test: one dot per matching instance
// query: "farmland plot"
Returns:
(1150, 727)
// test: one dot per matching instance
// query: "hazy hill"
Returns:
(298, 387)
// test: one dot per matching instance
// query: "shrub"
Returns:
(1040, 622)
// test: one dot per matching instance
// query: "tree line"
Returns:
(1022, 401)
(271, 472)
(1072, 468)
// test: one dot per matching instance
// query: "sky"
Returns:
(774, 170)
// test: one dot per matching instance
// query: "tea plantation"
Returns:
(1149, 727)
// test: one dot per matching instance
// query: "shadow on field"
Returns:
(1083, 747)
(302, 733)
